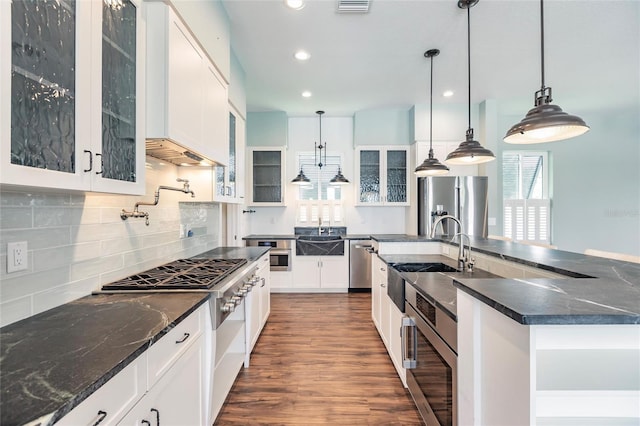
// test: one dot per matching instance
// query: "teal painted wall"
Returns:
(384, 126)
(267, 128)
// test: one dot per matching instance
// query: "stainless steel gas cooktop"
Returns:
(182, 274)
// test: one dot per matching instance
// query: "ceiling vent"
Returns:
(353, 6)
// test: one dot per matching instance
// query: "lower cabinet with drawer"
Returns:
(165, 385)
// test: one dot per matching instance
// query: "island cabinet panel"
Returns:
(74, 118)
(510, 373)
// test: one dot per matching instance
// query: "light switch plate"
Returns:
(17, 256)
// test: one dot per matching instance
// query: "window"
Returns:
(525, 193)
(319, 188)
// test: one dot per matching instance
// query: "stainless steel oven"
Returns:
(429, 354)
(280, 253)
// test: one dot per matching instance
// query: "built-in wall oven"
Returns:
(430, 356)
(280, 253)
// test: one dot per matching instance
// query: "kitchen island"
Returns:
(553, 339)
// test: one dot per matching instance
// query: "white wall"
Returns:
(77, 242)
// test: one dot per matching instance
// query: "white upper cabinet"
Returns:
(186, 96)
(383, 176)
(71, 114)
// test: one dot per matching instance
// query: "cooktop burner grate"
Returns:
(182, 274)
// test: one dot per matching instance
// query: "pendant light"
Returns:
(431, 166)
(339, 179)
(301, 179)
(470, 151)
(545, 122)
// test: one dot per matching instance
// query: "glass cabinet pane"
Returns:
(43, 58)
(119, 91)
(232, 154)
(267, 177)
(397, 176)
(370, 176)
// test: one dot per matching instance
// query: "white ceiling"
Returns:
(375, 60)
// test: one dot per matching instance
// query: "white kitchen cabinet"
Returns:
(266, 176)
(229, 179)
(178, 397)
(382, 176)
(73, 117)
(330, 273)
(258, 305)
(440, 151)
(169, 377)
(186, 96)
(113, 400)
(395, 340)
(378, 290)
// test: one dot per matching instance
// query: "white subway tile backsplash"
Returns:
(77, 242)
(15, 310)
(14, 286)
(16, 217)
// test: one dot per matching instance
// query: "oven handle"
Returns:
(280, 252)
(409, 337)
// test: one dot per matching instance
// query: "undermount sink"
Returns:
(423, 267)
(319, 238)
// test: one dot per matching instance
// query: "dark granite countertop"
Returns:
(54, 360)
(250, 253)
(295, 237)
(596, 290)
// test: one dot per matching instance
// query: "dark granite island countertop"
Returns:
(596, 291)
(54, 360)
(250, 253)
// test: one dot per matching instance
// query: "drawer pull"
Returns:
(185, 337)
(146, 422)
(153, 410)
(101, 416)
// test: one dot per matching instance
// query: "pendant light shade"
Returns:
(301, 179)
(545, 122)
(339, 179)
(470, 151)
(431, 166)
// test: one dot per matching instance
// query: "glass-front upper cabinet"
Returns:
(267, 176)
(73, 70)
(383, 175)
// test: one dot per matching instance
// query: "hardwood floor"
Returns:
(319, 360)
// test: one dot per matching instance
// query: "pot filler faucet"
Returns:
(124, 215)
(464, 262)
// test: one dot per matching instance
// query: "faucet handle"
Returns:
(182, 180)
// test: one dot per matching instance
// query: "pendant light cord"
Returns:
(542, 41)
(431, 110)
(469, 61)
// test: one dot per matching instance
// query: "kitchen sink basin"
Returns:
(423, 267)
(319, 245)
(319, 238)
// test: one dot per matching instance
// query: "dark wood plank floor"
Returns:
(319, 360)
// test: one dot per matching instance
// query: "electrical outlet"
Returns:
(17, 257)
(182, 233)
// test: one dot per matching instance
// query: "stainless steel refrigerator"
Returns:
(464, 197)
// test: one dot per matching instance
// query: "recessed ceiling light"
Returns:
(301, 55)
(294, 4)
(448, 93)
(306, 94)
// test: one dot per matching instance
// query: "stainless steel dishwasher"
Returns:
(360, 265)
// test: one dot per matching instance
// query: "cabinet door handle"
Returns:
(146, 422)
(185, 337)
(264, 281)
(382, 285)
(153, 410)
(409, 340)
(101, 416)
(90, 161)
(101, 164)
